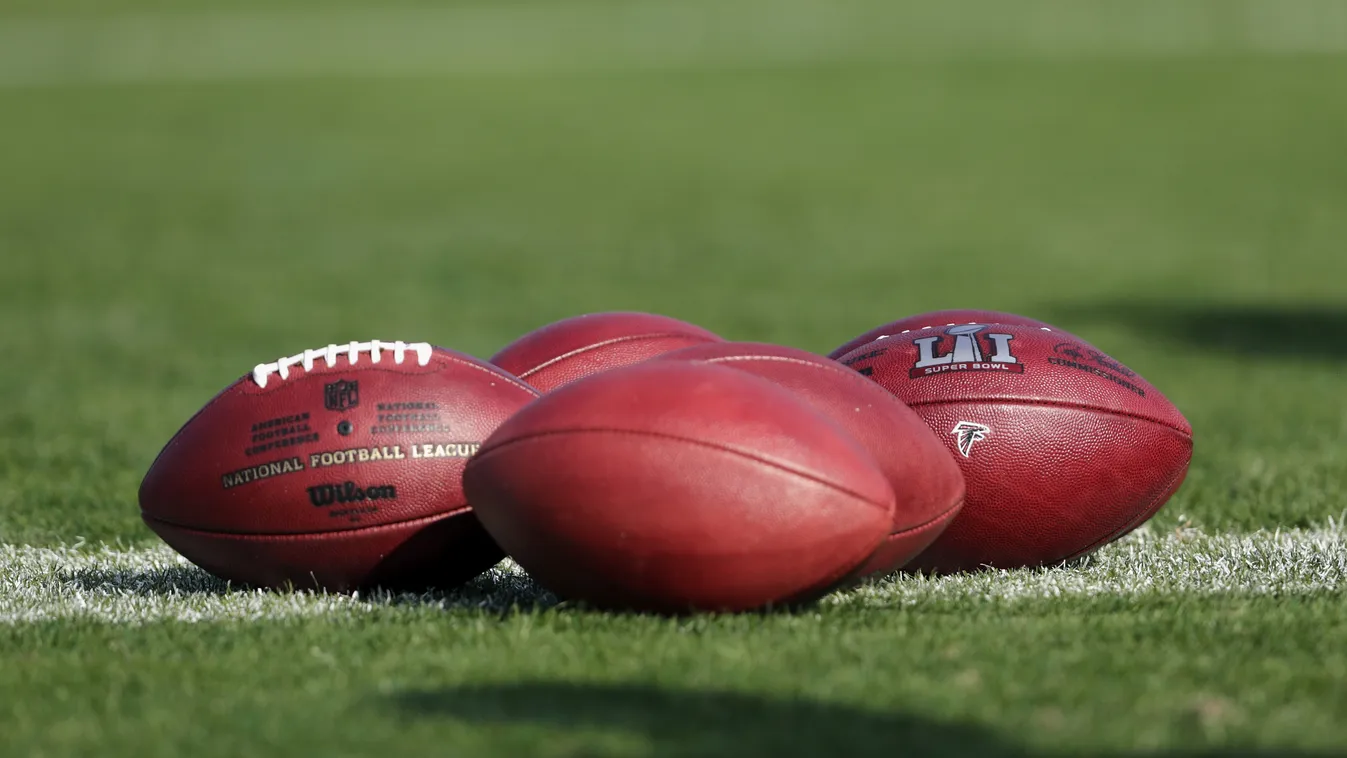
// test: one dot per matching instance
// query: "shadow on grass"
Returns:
(1266, 332)
(175, 580)
(500, 589)
(504, 588)
(679, 724)
(682, 723)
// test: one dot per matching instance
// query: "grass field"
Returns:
(191, 188)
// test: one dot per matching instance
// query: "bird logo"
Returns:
(968, 434)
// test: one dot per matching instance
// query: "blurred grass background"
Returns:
(192, 188)
(189, 188)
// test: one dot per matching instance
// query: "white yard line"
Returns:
(1292, 562)
(154, 583)
(638, 35)
(145, 584)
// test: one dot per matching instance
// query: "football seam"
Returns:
(485, 452)
(324, 533)
(1144, 516)
(1056, 404)
(839, 369)
(495, 371)
(834, 580)
(928, 522)
(444, 352)
(605, 343)
(219, 396)
(838, 353)
(440, 352)
(891, 537)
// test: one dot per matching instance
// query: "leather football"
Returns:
(674, 487)
(1062, 447)
(584, 345)
(927, 483)
(337, 469)
(932, 320)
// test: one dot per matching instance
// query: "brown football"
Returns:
(932, 320)
(1063, 448)
(926, 481)
(337, 468)
(584, 345)
(674, 486)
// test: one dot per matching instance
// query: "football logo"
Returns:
(348, 492)
(341, 395)
(967, 434)
(968, 353)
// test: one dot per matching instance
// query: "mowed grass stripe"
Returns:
(629, 36)
(1291, 562)
(148, 584)
(138, 585)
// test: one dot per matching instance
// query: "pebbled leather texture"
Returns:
(581, 346)
(1062, 450)
(675, 486)
(232, 489)
(935, 319)
(926, 481)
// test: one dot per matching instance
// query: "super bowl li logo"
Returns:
(965, 348)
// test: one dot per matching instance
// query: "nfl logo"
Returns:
(338, 396)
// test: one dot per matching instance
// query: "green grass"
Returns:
(1180, 207)
(1093, 677)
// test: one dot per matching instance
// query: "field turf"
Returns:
(188, 189)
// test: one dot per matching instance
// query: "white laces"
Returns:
(263, 371)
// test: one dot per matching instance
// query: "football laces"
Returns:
(352, 350)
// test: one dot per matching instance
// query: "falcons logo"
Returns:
(968, 434)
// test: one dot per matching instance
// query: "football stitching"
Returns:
(492, 371)
(853, 377)
(219, 396)
(352, 350)
(605, 343)
(929, 522)
(933, 326)
(891, 537)
(484, 452)
(962, 323)
(446, 354)
(839, 369)
(1054, 404)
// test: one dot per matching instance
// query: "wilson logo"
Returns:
(348, 492)
(970, 350)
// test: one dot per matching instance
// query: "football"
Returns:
(337, 469)
(676, 487)
(583, 345)
(927, 483)
(933, 320)
(1063, 448)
